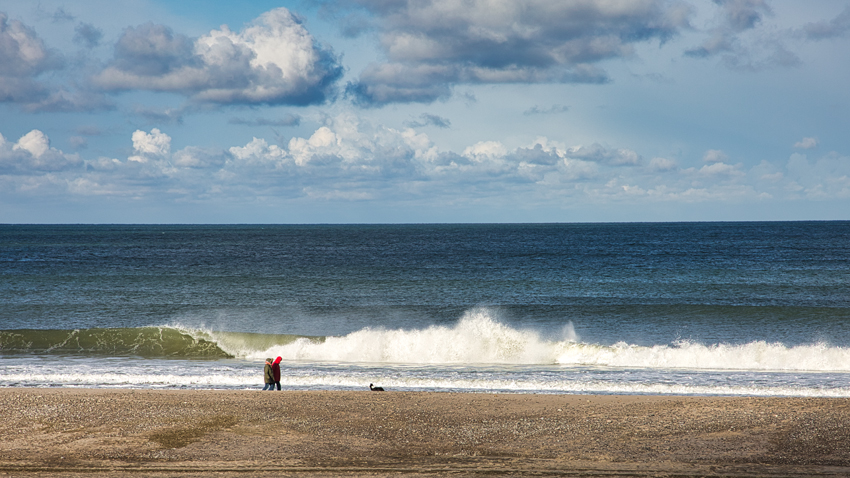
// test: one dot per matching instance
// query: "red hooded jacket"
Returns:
(276, 369)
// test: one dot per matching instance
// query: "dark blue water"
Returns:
(642, 285)
(728, 282)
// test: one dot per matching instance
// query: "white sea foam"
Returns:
(591, 369)
(480, 339)
(476, 338)
(758, 355)
(436, 381)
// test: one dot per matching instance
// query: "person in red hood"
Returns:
(276, 371)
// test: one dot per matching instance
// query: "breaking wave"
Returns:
(477, 338)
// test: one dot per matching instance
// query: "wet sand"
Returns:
(97, 432)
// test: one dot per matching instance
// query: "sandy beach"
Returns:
(98, 432)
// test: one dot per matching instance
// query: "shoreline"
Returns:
(142, 432)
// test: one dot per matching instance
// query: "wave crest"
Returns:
(758, 355)
(480, 339)
(476, 338)
(142, 342)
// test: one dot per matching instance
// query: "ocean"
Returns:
(739, 308)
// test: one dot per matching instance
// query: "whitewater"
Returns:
(479, 339)
(477, 354)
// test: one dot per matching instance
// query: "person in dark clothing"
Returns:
(276, 371)
(268, 375)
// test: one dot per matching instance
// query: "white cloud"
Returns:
(345, 147)
(485, 150)
(349, 158)
(155, 143)
(806, 143)
(322, 144)
(32, 154)
(258, 149)
(89, 186)
(721, 169)
(714, 156)
(274, 60)
(35, 142)
(663, 164)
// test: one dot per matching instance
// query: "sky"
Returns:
(424, 111)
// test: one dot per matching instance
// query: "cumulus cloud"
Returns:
(806, 143)
(153, 168)
(344, 149)
(150, 145)
(35, 143)
(435, 44)
(714, 156)
(156, 142)
(354, 147)
(349, 158)
(274, 60)
(721, 169)
(485, 151)
(154, 163)
(348, 152)
(32, 154)
(663, 164)
(23, 57)
(259, 149)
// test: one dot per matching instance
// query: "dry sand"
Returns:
(97, 432)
